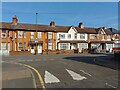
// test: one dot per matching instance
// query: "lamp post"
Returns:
(36, 41)
(12, 38)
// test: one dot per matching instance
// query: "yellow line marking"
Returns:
(39, 76)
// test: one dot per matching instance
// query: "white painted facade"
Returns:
(72, 35)
(71, 32)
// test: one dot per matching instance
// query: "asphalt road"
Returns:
(68, 70)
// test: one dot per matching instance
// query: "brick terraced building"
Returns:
(30, 38)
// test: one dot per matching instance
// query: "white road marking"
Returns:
(75, 76)
(50, 78)
(110, 85)
(86, 73)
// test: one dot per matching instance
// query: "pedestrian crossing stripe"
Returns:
(75, 75)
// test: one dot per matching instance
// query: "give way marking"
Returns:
(75, 75)
(50, 78)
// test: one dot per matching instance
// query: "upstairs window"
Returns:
(75, 35)
(49, 35)
(3, 34)
(39, 34)
(19, 34)
(69, 36)
(31, 34)
(82, 36)
(62, 36)
(92, 36)
(109, 37)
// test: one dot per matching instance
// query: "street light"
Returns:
(36, 41)
(12, 38)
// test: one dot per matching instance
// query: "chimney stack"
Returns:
(104, 28)
(14, 20)
(81, 25)
(52, 24)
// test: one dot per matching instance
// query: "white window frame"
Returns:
(64, 46)
(82, 36)
(20, 46)
(69, 36)
(62, 36)
(50, 46)
(32, 35)
(39, 34)
(20, 34)
(50, 35)
(75, 36)
(4, 46)
(92, 36)
(3, 34)
(109, 37)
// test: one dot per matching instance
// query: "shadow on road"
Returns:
(105, 61)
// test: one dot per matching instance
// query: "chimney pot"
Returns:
(14, 20)
(81, 25)
(52, 24)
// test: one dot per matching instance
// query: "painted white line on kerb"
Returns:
(110, 85)
(86, 73)
(50, 78)
(75, 76)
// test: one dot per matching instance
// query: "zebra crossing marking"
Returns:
(50, 78)
(86, 73)
(75, 75)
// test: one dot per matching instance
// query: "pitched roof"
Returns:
(86, 30)
(108, 31)
(23, 26)
(115, 31)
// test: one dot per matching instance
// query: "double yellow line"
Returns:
(39, 76)
(36, 71)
